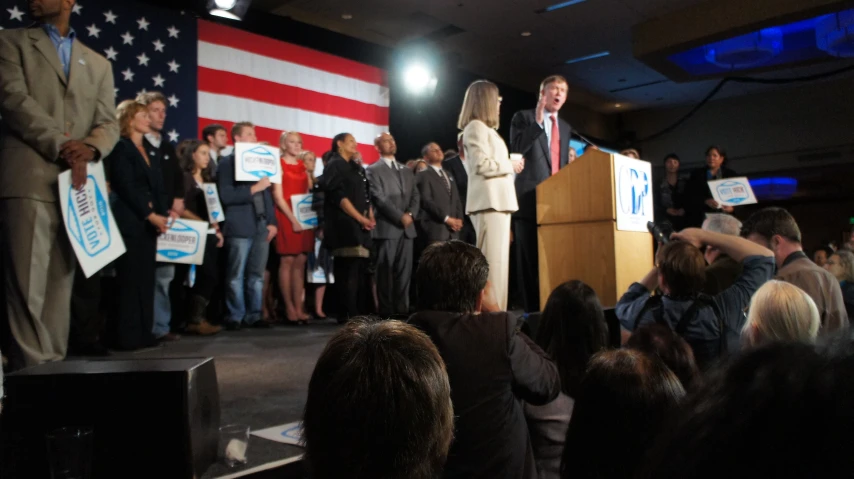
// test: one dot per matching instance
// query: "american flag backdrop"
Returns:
(212, 73)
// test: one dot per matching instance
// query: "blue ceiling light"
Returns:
(746, 51)
(588, 57)
(834, 34)
(774, 188)
(558, 6)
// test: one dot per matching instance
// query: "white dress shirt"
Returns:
(390, 162)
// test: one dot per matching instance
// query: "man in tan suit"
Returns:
(58, 111)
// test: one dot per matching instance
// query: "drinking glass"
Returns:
(233, 443)
(69, 452)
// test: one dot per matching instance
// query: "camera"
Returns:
(661, 232)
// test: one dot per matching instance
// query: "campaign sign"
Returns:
(254, 161)
(301, 206)
(632, 185)
(89, 222)
(215, 212)
(732, 191)
(316, 273)
(184, 242)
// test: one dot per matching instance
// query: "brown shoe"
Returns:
(169, 337)
(202, 329)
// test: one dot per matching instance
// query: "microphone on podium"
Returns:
(585, 140)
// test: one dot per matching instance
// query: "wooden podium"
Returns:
(577, 231)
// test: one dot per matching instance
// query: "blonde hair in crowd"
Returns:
(480, 103)
(284, 136)
(781, 311)
(125, 112)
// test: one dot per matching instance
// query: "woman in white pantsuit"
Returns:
(491, 197)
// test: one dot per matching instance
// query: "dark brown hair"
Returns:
(659, 340)
(238, 128)
(770, 222)
(379, 405)
(683, 268)
(150, 97)
(450, 277)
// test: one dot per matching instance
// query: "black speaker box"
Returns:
(152, 418)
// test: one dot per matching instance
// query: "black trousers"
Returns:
(352, 286)
(527, 263)
(87, 319)
(133, 316)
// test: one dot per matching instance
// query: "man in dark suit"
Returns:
(441, 216)
(397, 202)
(487, 381)
(456, 168)
(250, 227)
(543, 140)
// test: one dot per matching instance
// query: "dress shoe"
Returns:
(232, 326)
(202, 329)
(169, 337)
(260, 324)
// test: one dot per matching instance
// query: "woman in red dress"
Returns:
(292, 241)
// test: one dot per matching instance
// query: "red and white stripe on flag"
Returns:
(279, 87)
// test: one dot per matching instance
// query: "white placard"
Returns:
(215, 211)
(633, 188)
(301, 206)
(286, 433)
(89, 222)
(253, 161)
(318, 275)
(184, 242)
(732, 191)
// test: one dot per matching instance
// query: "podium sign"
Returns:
(633, 190)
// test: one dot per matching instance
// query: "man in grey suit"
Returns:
(397, 201)
(57, 105)
(441, 216)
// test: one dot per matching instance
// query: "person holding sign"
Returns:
(195, 161)
(292, 242)
(139, 204)
(698, 196)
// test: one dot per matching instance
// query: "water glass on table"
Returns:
(233, 443)
(69, 453)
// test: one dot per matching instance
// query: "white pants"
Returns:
(493, 240)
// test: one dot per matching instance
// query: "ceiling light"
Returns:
(231, 9)
(225, 4)
(617, 105)
(834, 34)
(588, 57)
(347, 16)
(558, 6)
(526, 34)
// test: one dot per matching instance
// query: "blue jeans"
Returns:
(163, 275)
(247, 260)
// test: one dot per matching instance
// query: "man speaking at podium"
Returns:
(543, 140)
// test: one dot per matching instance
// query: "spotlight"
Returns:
(231, 9)
(418, 79)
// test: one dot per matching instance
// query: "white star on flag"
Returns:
(127, 39)
(111, 53)
(15, 14)
(110, 17)
(173, 101)
(143, 59)
(158, 45)
(93, 30)
(173, 136)
(173, 66)
(128, 74)
(143, 23)
(158, 80)
(173, 32)
(77, 8)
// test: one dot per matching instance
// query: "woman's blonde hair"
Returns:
(302, 157)
(125, 113)
(781, 311)
(480, 103)
(284, 136)
(845, 260)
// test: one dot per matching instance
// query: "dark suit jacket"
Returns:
(173, 175)
(529, 139)
(437, 204)
(491, 437)
(236, 200)
(344, 179)
(393, 193)
(697, 192)
(455, 167)
(136, 189)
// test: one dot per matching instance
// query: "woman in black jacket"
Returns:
(139, 204)
(349, 219)
(698, 197)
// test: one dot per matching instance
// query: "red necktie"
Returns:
(554, 148)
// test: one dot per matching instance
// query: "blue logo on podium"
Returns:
(632, 189)
(88, 218)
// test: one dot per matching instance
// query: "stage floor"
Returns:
(263, 379)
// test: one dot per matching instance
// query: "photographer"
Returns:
(710, 324)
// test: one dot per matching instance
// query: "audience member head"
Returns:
(451, 277)
(344, 144)
(671, 163)
(52, 11)
(661, 341)
(432, 154)
(133, 118)
(783, 410)
(290, 144)
(631, 153)
(554, 90)
(715, 158)
(622, 402)
(780, 311)
(450, 154)
(324, 159)
(821, 254)
(243, 132)
(215, 136)
(195, 156)
(681, 269)
(775, 229)
(573, 154)
(572, 329)
(379, 405)
(480, 103)
(385, 145)
(720, 223)
(309, 159)
(841, 265)
(156, 104)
